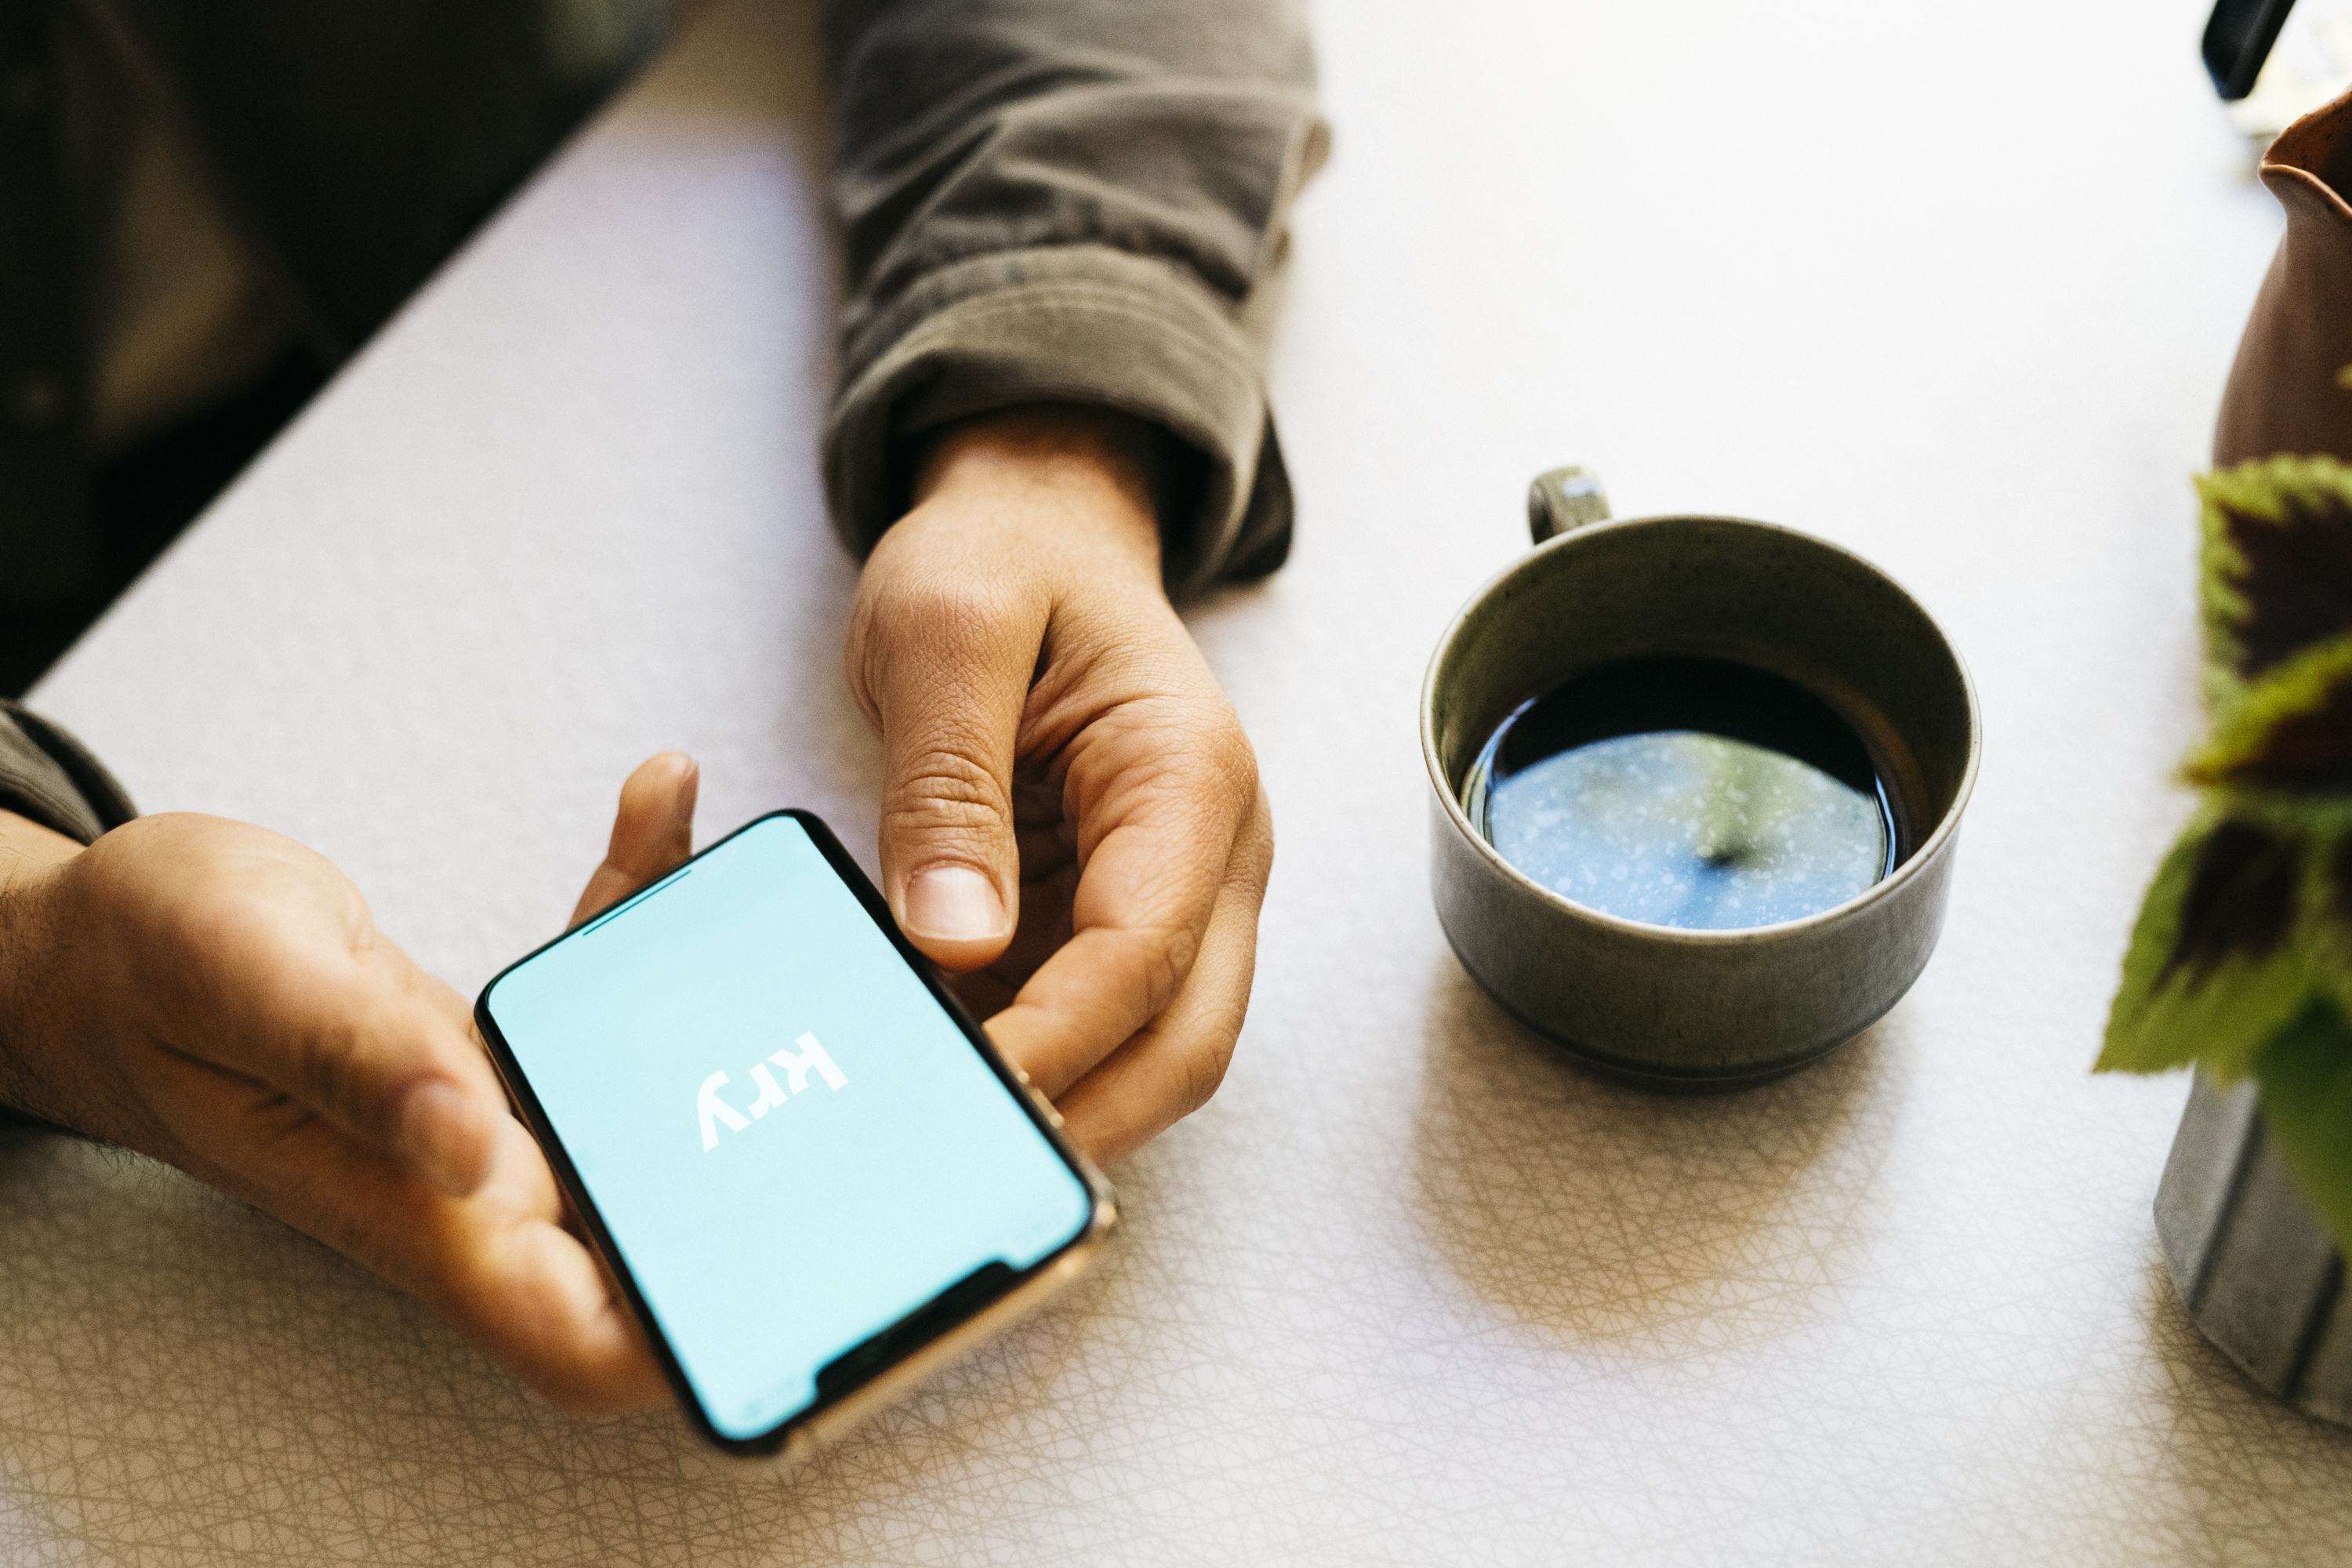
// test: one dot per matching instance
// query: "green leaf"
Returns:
(2291, 729)
(2324, 926)
(2214, 971)
(2277, 565)
(2307, 1099)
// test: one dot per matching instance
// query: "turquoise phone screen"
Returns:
(791, 1144)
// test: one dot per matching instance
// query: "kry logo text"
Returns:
(711, 1110)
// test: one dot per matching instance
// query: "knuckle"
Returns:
(1202, 1046)
(329, 1063)
(910, 628)
(1167, 958)
(1253, 862)
(945, 789)
(1234, 760)
(945, 610)
(1205, 755)
(1202, 1077)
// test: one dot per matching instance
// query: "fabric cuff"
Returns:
(1067, 324)
(47, 776)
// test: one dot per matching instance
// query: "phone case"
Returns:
(829, 1421)
(827, 1425)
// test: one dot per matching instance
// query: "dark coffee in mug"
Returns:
(1698, 793)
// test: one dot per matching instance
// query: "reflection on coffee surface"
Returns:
(1697, 793)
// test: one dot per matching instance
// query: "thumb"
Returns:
(653, 832)
(948, 690)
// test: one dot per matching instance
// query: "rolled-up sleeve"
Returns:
(1070, 201)
(46, 776)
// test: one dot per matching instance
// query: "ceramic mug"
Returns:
(1658, 1005)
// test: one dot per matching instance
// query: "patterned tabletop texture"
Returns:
(1409, 1290)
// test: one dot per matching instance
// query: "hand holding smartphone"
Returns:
(811, 1176)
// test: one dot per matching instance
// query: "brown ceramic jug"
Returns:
(2290, 388)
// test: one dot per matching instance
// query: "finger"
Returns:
(506, 1269)
(351, 1030)
(1049, 879)
(1045, 926)
(1169, 1069)
(497, 1264)
(945, 673)
(653, 832)
(1164, 788)
(1046, 890)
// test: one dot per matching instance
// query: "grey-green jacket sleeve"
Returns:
(45, 774)
(1071, 201)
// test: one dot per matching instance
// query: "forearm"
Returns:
(1125, 467)
(1074, 200)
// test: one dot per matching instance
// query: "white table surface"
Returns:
(1954, 285)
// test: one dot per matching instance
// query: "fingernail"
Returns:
(434, 1126)
(954, 903)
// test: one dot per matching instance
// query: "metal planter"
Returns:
(2259, 1276)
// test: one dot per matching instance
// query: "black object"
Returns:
(839, 1381)
(354, 147)
(138, 501)
(46, 546)
(858, 1365)
(2238, 39)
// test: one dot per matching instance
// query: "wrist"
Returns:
(1095, 474)
(32, 859)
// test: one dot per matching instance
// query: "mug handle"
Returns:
(1564, 500)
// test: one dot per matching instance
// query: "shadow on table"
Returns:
(184, 1378)
(2230, 1474)
(179, 1372)
(1666, 1226)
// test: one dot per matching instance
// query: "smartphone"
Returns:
(2239, 37)
(813, 1177)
